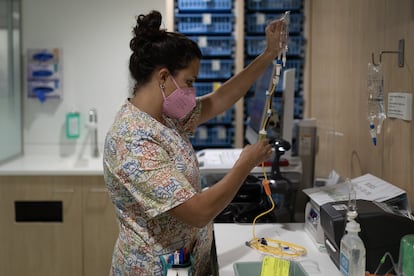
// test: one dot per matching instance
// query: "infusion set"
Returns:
(375, 100)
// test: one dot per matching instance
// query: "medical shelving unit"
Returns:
(211, 25)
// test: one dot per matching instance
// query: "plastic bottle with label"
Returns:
(352, 251)
(72, 125)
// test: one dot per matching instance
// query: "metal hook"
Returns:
(400, 53)
(373, 60)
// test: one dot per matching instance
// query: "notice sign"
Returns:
(400, 105)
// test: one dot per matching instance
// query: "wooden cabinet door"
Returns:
(100, 228)
(37, 247)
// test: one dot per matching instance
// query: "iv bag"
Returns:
(375, 99)
(284, 37)
(285, 30)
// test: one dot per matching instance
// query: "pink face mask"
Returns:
(180, 102)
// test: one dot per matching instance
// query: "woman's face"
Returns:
(185, 77)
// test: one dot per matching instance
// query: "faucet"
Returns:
(93, 122)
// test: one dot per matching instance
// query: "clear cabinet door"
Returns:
(10, 80)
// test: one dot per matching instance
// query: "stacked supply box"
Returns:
(257, 15)
(210, 24)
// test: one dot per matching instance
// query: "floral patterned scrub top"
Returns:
(150, 168)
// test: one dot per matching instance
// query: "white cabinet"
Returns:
(80, 244)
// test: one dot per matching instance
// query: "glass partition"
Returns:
(10, 80)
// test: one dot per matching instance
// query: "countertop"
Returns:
(52, 165)
(230, 244)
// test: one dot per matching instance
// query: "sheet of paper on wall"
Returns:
(400, 105)
(368, 187)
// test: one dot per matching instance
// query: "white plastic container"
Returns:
(352, 251)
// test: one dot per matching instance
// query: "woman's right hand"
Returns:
(253, 155)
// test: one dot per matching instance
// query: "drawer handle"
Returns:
(38, 211)
(98, 190)
(69, 190)
(331, 246)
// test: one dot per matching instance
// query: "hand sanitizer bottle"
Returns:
(72, 125)
(352, 251)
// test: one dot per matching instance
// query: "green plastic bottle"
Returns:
(407, 255)
(72, 125)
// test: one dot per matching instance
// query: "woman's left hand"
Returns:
(276, 36)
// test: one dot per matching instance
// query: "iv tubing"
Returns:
(269, 97)
(394, 265)
(269, 246)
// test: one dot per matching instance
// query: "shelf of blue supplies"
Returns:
(44, 74)
(210, 25)
(218, 131)
(203, 5)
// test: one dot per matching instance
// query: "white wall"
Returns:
(94, 37)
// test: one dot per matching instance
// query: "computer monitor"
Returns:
(281, 123)
(256, 106)
(255, 114)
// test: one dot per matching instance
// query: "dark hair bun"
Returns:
(148, 23)
(148, 28)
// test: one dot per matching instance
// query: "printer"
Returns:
(367, 187)
(382, 227)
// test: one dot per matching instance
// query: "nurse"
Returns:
(150, 167)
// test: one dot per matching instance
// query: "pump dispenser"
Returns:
(352, 249)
